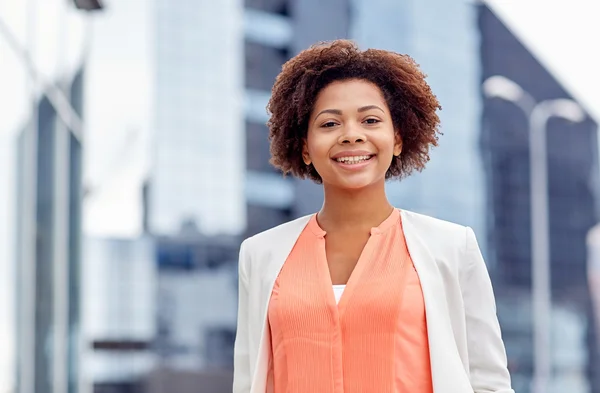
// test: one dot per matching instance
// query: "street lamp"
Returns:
(538, 115)
(498, 86)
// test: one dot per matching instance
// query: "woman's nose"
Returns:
(352, 135)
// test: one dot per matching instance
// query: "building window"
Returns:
(280, 7)
(258, 148)
(268, 28)
(261, 218)
(263, 63)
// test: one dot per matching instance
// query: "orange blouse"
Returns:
(374, 340)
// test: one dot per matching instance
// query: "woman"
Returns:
(362, 297)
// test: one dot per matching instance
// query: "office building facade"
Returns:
(48, 254)
(119, 312)
(43, 55)
(196, 170)
(573, 199)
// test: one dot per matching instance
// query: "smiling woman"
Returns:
(354, 144)
(361, 296)
(401, 90)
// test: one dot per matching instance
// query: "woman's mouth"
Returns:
(354, 163)
(353, 160)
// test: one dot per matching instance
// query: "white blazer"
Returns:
(466, 349)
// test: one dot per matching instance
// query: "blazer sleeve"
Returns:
(241, 358)
(487, 355)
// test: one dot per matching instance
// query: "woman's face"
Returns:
(351, 139)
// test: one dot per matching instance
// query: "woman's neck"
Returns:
(354, 209)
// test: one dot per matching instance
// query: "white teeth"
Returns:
(353, 160)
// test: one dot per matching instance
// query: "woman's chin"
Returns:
(357, 183)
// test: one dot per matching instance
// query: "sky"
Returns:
(562, 35)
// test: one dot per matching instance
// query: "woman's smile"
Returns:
(354, 161)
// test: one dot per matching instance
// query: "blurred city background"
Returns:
(134, 160)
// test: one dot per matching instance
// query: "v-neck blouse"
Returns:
(374, 339)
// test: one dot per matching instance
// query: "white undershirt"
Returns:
(337, 291)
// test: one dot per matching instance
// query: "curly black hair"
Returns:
(412, 104)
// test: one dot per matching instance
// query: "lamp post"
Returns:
(593, 270)
(538, 115)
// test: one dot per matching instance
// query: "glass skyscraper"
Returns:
(197, 164)
(48, 194)
(49, 250)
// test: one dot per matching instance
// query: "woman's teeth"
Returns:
(353, 160)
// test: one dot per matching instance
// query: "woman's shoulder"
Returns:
(289, 230)
(430, 223)
(268, 249)
(436, 233)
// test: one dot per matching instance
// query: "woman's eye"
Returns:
(329, 124)
(372, 121)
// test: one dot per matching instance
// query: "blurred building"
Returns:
(196, 299)
(573, 200)
(276, 30)
(44, 59)
(197, 167)
(119, 312)
(168, 381)
(156, 307)
(48, 256)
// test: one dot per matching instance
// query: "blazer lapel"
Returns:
(271, 264)
(446, 365)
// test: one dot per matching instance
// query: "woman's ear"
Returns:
(305, 155)
(398, 144)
